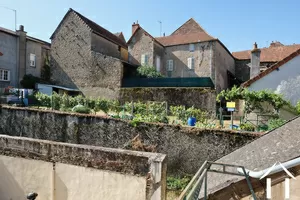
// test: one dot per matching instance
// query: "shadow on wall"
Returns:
(61, 191)
(9, 187)
(59, 76)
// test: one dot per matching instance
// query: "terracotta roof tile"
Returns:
(271, 54)
(272, 68)
(190, 26)
(184, 39)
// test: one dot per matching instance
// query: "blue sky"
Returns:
(238, 24)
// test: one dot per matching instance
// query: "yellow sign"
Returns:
(230, 104)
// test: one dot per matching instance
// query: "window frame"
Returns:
(192, 47)
(168, 65)
(2, 75)
(32, 60)
(191, 63)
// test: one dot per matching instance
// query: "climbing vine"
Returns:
(253, 99)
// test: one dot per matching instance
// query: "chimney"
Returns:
(164, 34)
(255, 61)
(21, 52)
(135, 26)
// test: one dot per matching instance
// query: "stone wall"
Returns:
(74, 65)
(223, 61)
(73, 165)
(140, 44)
(103, 46)
(186, 148)
(180, 54)
(202, 98)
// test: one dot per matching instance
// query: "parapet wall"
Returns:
(140, 167)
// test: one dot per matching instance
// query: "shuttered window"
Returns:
(170, 66)
(191, 63)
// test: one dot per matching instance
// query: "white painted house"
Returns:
(283, 78)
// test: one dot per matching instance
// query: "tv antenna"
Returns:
(160, 27)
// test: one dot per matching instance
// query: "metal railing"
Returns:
(193, 189)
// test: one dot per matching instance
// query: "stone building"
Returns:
(188, 52)
(268, 57)
(87, 57)
(20, 55)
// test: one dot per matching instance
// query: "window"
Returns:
(4, 75)
(192, 47)
(191, 63)
(170, 67)
(144, 59)
(32, 60)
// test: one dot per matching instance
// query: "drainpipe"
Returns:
(272, 170)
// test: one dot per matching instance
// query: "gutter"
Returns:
(272, 170)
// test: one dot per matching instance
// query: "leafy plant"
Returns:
(177, 183)
(149, 72)
(46, 71)
(43, 99)
(29, 81)
(247, 127)
(183, 114)
(275, 123)
(253, 99)
(81, 109)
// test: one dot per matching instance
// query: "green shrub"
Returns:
(101, 104)
(81, 109)
(275, 123)
(29, 81)
(148, 72)
(183, 114)
(177, 183)
(247, 127)
(43, 99)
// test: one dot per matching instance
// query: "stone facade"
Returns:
(223, 61)
(75, 65)
(180, 54)
(186, 148)
(141, 43)
(103, 46)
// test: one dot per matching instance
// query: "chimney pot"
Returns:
(255, 46)
(164, 34)
(21, 28)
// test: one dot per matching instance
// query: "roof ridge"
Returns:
(289, 45)
(136, 30)
(191, 19)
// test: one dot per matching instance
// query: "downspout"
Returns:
(53, 182)
(271, 170)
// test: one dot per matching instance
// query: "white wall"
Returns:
(285, 81)
(20, 176)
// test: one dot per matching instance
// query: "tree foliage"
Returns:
(253, 99)
(29, 81)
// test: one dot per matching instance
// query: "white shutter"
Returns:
(8, 75)
(193, 63)
(146, 59)
(190, 63)
(143, 59)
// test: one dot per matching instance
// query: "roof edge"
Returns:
(272, 68)
(136, 30)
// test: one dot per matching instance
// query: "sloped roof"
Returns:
(184, 39)
(189, 32)
(140, 28)
(190, 26)
(121, 36)
(272, 68)
(271, 54)
(281, 144)
(95, 28)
